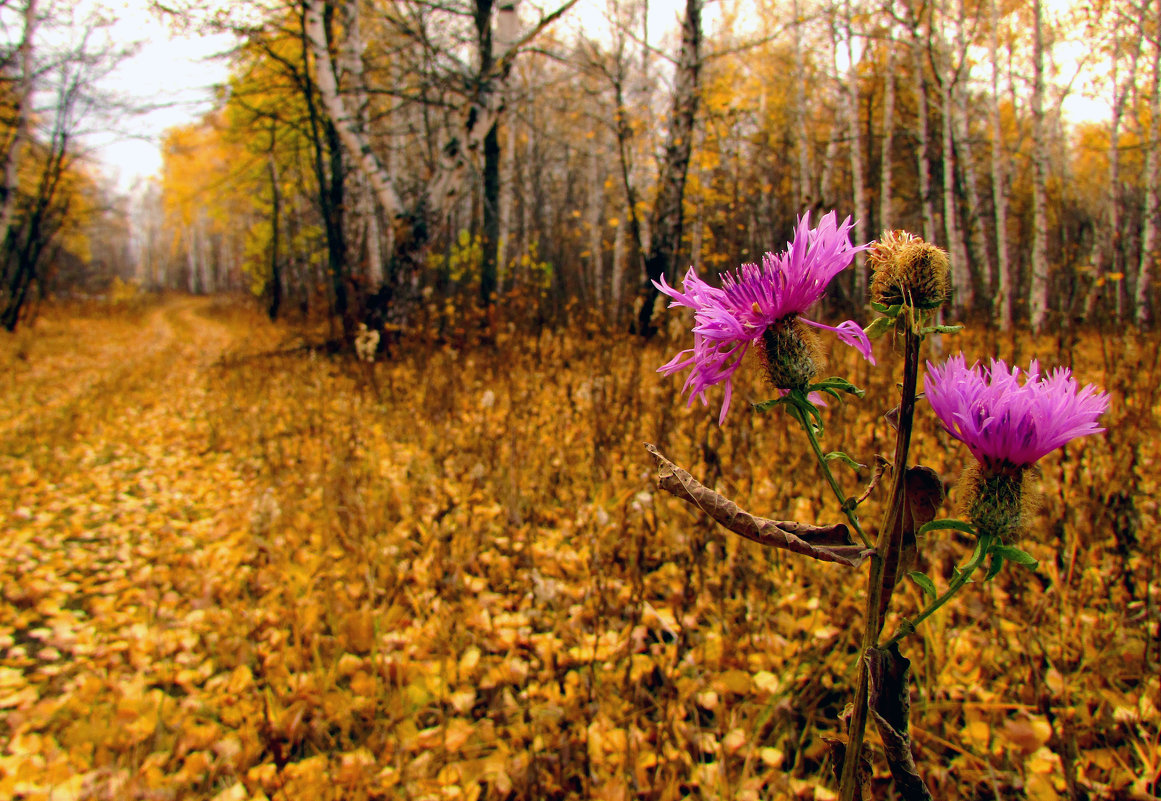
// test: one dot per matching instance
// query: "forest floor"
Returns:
(232, 567)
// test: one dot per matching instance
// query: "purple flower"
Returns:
(1007, 422)
(727, 321)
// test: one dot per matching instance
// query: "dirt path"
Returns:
(119, 518)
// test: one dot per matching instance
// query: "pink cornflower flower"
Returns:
(1006, 422)
(727, 321)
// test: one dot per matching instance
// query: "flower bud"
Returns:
(791, 353)
(908, 271)
(1000, 502)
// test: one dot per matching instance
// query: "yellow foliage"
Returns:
(229, 571)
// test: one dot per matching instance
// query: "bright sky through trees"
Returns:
(172, 73)
(177, 73)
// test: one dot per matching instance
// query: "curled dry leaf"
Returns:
(890, 705)
(831, 543)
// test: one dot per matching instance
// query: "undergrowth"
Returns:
(238, 568)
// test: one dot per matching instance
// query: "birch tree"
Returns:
(886, 158)
(1038, 299)
(948, 74)
(1004, 286)
(1151, 212)
(855, 137)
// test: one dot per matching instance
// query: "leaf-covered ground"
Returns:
(233, 568)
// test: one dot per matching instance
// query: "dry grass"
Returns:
(238, 570)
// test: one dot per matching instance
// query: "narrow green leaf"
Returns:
(940, 329)
(1015, 555)
(925, 584)
(890, 311)
(845, 459)
(994, 568)
(946, 524)
(837, 383)
(879, 326)
(767, 405)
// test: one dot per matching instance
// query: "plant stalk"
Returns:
(824, 465)
(880, 586)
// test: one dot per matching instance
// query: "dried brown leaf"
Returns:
(831, 543)
(890, 706)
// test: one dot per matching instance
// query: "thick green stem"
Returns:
(880, 585)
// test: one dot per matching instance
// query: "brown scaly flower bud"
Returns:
(1001, 502)
(791, 353)
(908, 271)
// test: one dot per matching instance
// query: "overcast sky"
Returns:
(173, 71)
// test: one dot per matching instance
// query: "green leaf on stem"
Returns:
(945, 525)
(925, 584)
(845, 459)
(941, 329)
(767, 405)
(837, 383)
(1014, 555)
(879, 326)
(995, 566)
(889, 311)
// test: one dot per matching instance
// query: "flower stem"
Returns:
(962, 579)
(880, 585)
(824, 465)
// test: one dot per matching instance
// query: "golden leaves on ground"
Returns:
(255, 577)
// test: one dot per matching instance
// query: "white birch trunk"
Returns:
(802, 143)
(963, 293)
(345, 122)
(919, 86)
(858, 173)
(1150, 222)
(972, 230)
(886, 216)
(366, 219)
(1038, 288)
(1004, 287)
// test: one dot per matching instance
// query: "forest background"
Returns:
(519, 615)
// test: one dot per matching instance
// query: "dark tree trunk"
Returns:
(667, 219)
(275, 287)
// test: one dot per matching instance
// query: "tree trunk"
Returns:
(1150, 233)
(275, 285)
(1108, 252)
(1004, 288)
(886, 216)
(616, 291)
(596, 217)
(798, 110)
(667, 217)
(1038, 289)
(364, 221)
(20, 135)
(923, 130)
(319, 36)
(979, 270)
(961, 281)
(858, 173)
